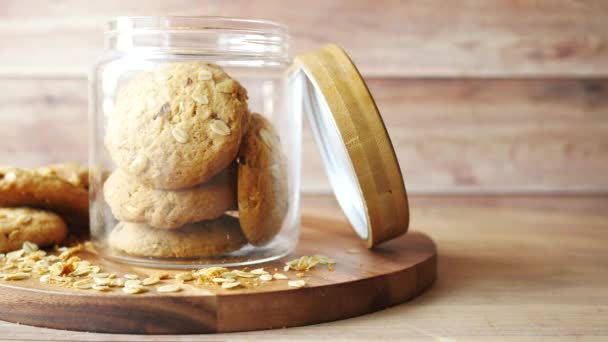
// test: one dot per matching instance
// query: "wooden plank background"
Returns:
(387, 38)
(479, 96)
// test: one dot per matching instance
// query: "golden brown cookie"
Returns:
(201, 239)
(262, 182)
(28, 188)
(74, 173)
(18, 225)
(134, 202)
(177, 125)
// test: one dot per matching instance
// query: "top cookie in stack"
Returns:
(178, 125)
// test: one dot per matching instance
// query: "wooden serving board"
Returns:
(361, 282)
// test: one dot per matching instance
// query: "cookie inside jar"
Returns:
(198, 174)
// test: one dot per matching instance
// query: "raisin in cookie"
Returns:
(262, 182)
(28, 188)
(18, 225)
(177, 125)
(134, 202)
(201, 239)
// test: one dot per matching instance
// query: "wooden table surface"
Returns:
(512, 268)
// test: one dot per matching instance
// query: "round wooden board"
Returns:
(361, 283)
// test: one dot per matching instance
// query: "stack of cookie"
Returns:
(188, 150)
(38, 205)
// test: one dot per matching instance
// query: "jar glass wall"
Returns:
(195, 154)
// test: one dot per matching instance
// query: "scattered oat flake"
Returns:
(132, 283)
(150, 281)
(169, 288)
(80, 271)
(280, 276)
(300, 275)
(100, 275)
(29, 247)
(228, 275)
(84, 284)
(306, 263)
(15, 254)
(258, 271)
(231, 285)
(117, 283)
(296, 283)
(103, 281)
(184, 276)
(102, 288)
(266, 277)
(16, 276)
(8, 267)
(131, 276)
(243, 274)
(221, 280)
(133, 290)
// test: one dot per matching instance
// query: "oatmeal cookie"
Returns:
(177, 125)
(167, 209)
(18, 225)
(28, 188)
(262, 182)
(201, 239)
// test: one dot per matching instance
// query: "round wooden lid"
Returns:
(358, 154)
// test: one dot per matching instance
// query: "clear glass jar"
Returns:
(183, 173)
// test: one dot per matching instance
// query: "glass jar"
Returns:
(196, 143)
(195, 155)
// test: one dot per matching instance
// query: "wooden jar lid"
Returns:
(357, 152)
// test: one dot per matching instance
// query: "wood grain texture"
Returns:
(465, 136)
(512, 268)
(389, 275)
(394, 38)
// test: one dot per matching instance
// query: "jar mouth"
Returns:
(199, 35)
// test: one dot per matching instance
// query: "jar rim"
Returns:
(202, 35)
(146, 24)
